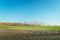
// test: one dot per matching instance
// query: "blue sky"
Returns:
(45, 11)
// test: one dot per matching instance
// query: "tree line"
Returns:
(16, 24)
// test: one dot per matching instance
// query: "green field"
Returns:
(33, 27)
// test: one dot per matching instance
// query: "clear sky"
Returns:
(46, 11)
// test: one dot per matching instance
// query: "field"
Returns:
(29, 32)
(33, 27)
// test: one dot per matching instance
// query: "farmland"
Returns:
(33, 27)
(29, 32)
(17, 34)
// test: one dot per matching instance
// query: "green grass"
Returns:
(33, 27)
